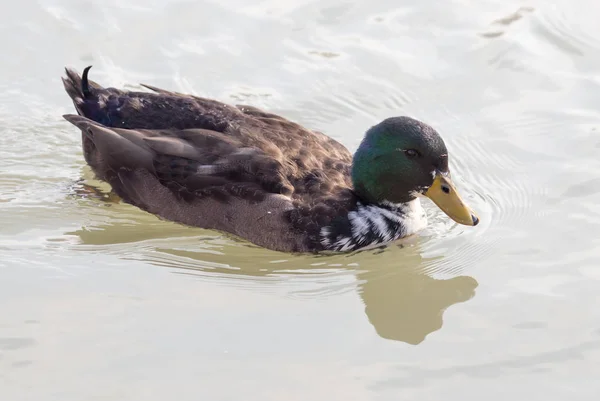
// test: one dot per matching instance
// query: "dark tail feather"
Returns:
(85, 85)
(79, 88)
(72, 84)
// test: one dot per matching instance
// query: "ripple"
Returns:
(507, 193)
(500, 25)
(391, 284)
(572, 30)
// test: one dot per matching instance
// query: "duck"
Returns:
(258, 176)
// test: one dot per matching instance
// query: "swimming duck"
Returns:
(258, 176)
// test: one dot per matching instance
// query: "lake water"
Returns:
(101, 301)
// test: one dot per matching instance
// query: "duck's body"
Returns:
(235, 169)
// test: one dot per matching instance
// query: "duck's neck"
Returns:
(371, 225)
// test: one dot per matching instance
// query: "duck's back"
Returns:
(306, 152)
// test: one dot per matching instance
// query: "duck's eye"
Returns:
(411, 153)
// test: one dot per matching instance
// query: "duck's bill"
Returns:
(444, 194)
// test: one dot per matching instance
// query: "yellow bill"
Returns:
(444, 194)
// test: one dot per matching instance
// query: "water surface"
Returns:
(100, 301)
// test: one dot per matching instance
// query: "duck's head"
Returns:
(402, 158)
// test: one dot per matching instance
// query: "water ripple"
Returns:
(569, 29)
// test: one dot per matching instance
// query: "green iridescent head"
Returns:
(402, 158)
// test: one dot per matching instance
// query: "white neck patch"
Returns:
(375, 225)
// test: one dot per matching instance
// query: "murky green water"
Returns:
(100, 301)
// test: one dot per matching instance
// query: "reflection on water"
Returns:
(405, 306)
(401, 301)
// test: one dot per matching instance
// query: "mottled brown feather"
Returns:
(186, 158)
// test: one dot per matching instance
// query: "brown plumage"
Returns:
(204, 163)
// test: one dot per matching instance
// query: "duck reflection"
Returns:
(401, 301)
(405, 304)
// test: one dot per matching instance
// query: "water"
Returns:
(100, 301)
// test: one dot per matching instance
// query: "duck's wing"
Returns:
(197, 177)
(191, 163)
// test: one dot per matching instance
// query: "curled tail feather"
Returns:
(79, 87)
(85, 84)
